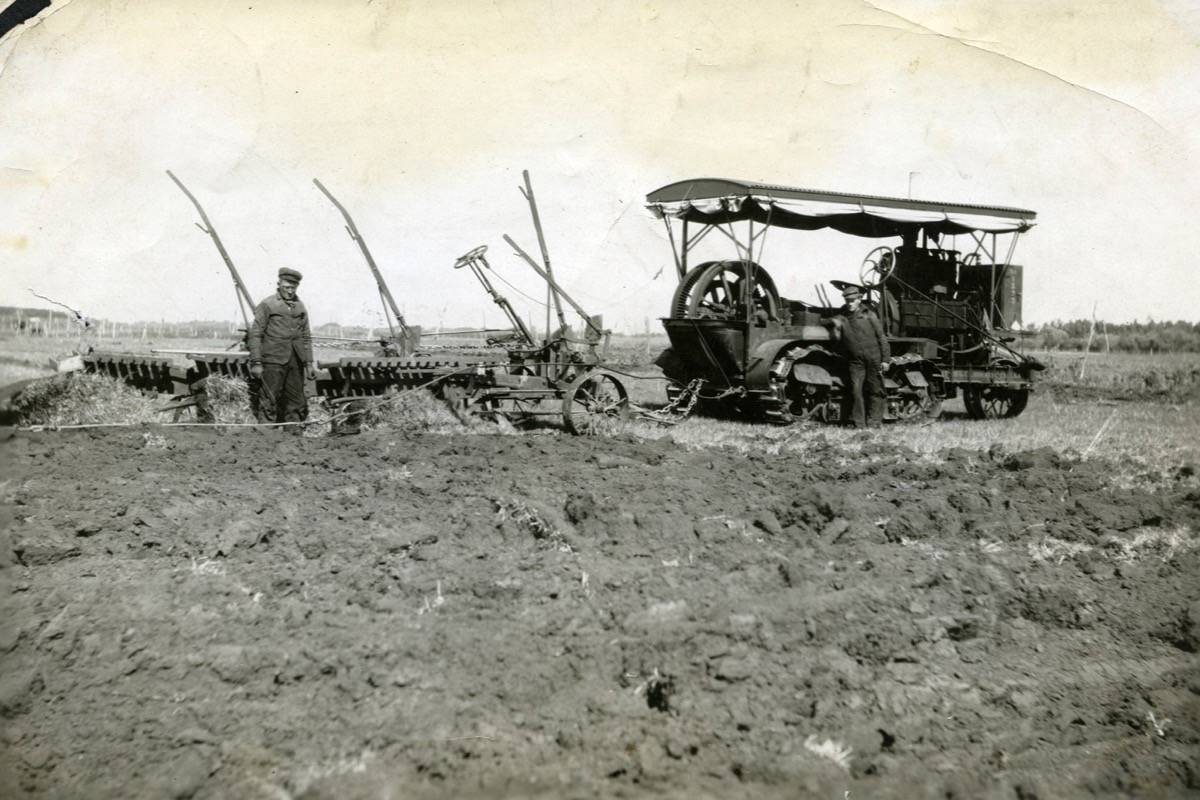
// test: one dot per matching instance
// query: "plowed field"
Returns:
(256, 615)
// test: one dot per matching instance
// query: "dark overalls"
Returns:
(280, 340)
(866, 349)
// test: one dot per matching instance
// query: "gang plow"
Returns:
(514, 376)
(584, 397)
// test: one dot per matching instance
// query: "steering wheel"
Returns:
(469, 256)
(877, 266)
(970, 260)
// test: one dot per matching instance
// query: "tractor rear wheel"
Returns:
(994, 402)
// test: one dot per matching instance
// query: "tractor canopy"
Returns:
(715, 201)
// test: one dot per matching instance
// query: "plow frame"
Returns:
(524, 381)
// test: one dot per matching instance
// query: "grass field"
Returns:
(1173, 376)
(1154, 426)
(1153, 437)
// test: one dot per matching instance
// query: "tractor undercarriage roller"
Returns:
(809, 382)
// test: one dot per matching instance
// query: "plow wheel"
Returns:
(593, 403)
(994, 402)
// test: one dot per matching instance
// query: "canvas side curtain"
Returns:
(857, 219)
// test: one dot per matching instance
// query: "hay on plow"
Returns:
(227, 401)
(79, 398)
(86, 399)
(415, 412)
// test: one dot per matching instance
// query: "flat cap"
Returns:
(286, 274)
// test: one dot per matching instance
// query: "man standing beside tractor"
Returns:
(861, 335)
(281, 354)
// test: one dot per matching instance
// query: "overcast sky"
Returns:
(420, 117)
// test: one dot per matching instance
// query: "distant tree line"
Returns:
(1129, 337)
(60, 323)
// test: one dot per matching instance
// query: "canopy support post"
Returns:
(742, 252)
(695, 240)
(748, 299)
(992, 288)
(981, 245)
(762, 235)
(674, 250)
(687, 245)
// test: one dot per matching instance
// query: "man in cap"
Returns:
(861, 335)
(281, 353)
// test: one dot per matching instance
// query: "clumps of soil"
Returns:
(528, 518)
(411, 412)
(205, 615)
(79, 398)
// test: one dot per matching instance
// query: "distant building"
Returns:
(328, 329)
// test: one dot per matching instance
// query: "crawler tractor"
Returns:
(949, 316)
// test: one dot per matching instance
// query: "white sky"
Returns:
(420, 117)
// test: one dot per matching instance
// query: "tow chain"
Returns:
(671, 413)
